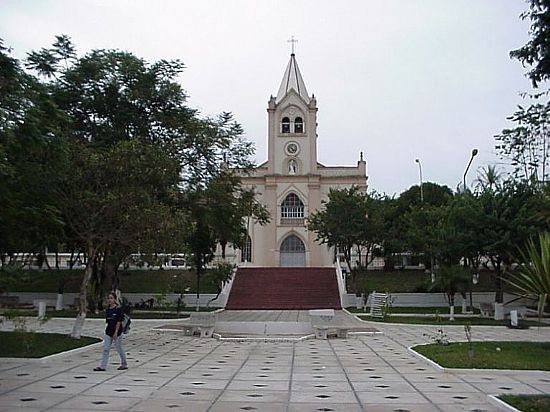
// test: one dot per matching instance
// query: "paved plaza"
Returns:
(172, 372)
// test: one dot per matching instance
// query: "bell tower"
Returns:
(292, 126)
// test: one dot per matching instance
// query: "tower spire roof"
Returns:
(292, 79)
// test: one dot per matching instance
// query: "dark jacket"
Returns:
(112, 316)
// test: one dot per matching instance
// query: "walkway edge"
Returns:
(501, 404)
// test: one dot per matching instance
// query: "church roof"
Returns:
(292, 79)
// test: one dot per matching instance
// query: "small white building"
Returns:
(292, 184)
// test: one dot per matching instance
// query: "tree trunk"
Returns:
(88, 272)
(499, 293)
(109, 270)
(223, 244)
(46, 259)
(59, 302)
(388, 264)
(451, 298)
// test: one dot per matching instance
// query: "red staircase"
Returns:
(290, 288)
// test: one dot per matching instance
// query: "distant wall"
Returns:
(433, 299)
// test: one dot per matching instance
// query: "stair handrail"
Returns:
(341, 280)
(224, 294)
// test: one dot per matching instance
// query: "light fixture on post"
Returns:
(417, 160)
(474, 153)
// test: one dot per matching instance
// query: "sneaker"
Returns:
(99, 369)
(122, 367)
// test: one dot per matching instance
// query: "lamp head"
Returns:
(474, 152)
(417, 160)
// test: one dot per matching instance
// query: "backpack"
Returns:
(126, 321)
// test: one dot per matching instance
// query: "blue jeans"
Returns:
(107, 341)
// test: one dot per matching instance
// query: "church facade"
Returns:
(292, 184)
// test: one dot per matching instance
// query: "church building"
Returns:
(292, 184)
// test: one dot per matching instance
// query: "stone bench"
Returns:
(487, 309)
(200, 323)
(48, 302)
(323, 320)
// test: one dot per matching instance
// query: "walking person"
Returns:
(113, 333)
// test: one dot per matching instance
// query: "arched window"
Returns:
(285, 125)
(293, 252)
(293, 244)
(292, 209)
(246, 252)
(298, 125)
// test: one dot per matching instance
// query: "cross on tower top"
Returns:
(292, 41)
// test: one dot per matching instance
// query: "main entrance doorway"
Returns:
(293, 252)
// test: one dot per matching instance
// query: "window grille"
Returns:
(293, 244)
(292, 207)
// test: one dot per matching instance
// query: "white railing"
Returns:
(224, 294)
(341, 281)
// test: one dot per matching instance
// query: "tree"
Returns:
(373, 232)
(527, 145)
(510, 218)
(423, 226)
(433, 193)
(391, 239)
(118, 103)
(199, 238)
(32, 149)
(229, 206)
(111, 95)
(339, 229)
(451, 280)
(114, 196)
(219, 215)
(536, 53)
(489, 179)
(466, 217)
(428, 231)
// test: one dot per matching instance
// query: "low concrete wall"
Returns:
(172, 298)
(264, 328)
(432, 299)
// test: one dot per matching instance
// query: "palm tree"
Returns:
(532, 278)
(489, 178)
(451, 280)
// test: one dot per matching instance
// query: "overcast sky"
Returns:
(397, 80)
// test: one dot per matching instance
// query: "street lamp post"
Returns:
(420, 172)
(474, 153)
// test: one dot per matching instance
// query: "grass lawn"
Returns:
(408, 281)
(490, 355)
(38, 345)
(131, 281)
(528, 403)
